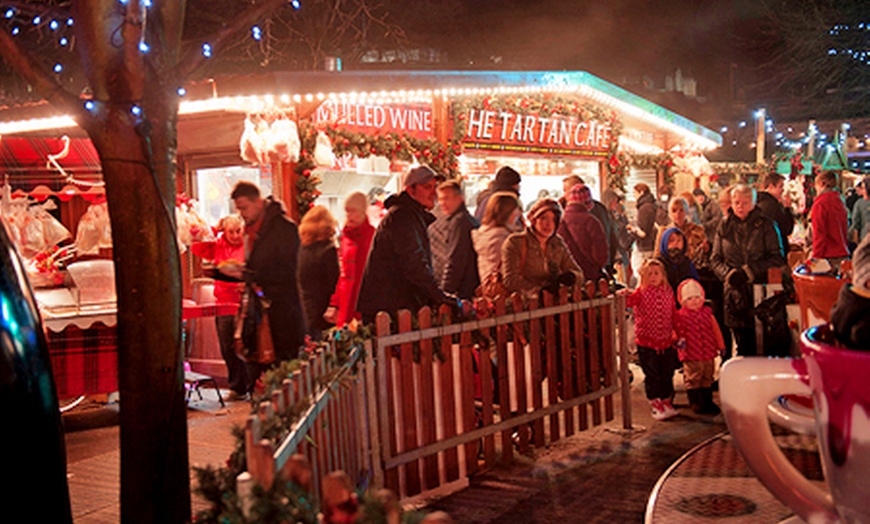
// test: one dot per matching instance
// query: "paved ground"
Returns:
(601, 475)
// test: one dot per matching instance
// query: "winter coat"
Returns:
(454, 261)
(771, 207)
(646, 222)
(850, 318)
(679, 268)
(654, 311)
(271, 265)
(398, 274)
(701, 332)
(527, 268)
(354, 245)
(222, 251)
(318, 274)
(830, 225)
(860, 219)
(752, 246)
(584, 235)
(488, 240)
(711, 215)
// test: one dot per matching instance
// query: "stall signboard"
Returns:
(509, 132)
(370, 118)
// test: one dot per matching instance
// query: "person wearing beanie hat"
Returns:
(850, 316)
(537, 258)
(506, 179)
(583, 233)
(700, 340)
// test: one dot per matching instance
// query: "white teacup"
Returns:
(839, 381)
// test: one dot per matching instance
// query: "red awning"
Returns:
(24, 165)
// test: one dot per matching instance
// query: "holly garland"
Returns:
(547, 106)
(442, 159)
(618, 167)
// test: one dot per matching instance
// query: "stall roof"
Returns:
(248, 93)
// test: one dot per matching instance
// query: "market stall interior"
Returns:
(322, 135)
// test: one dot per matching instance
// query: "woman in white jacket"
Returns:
(500, 219)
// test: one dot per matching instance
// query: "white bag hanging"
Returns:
(323, 155)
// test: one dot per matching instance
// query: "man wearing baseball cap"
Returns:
(398, 274)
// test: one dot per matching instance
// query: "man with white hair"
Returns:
(746, 245)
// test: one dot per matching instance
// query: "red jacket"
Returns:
(220, 251)
(654, 311)
(353, 251)
(830, 223)
(702, 334)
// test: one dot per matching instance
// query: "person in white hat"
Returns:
(700, 340)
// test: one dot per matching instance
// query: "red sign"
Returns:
(532, 133)
(410, 119)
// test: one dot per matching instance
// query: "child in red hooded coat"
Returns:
(700, 341)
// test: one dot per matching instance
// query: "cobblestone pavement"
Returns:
(601, 475)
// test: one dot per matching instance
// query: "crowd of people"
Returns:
(695, 262)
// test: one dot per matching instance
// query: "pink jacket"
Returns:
(654, 311)
(220, 251)
(702, 334)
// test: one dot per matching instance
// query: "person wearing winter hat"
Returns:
(699, 341)
(538, 258)
(583, 233)
(506, 179)
(850, 316)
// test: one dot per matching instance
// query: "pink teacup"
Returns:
(839, 381)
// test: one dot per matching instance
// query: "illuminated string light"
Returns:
(296, 4)
(53, 25)
(37, 20)
(69, 22)
(10, 13)
(206, 50)
(89, 105)
(16, 30)
(58, 68)
(181, 91)
(136, 110)
(256, 33)
(63, 41)
(144, 47)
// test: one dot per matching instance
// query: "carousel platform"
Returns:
(711, 483)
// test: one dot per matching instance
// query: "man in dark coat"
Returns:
(769, 202)
(398, 273)
(506, 179)
(747, 244)
(645, 231)
(711, 213)
(454, 260)
(272, 248)
(583, 233)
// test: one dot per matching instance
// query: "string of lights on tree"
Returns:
(851, 41)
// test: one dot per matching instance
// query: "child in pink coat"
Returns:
(654, 311)
(700, 341)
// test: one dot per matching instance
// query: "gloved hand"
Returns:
(736, 277)
(567, 279)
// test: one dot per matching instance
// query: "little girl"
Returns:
(696, 326)
(654, 311)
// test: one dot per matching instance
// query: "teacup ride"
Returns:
(817, 288)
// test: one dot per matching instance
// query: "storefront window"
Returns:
(215, 185)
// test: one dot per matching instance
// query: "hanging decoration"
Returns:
(323, 155)
(268, 138)
(619, 164)
(395, 146)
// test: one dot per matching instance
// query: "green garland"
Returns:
(618, 167)
(391, 145)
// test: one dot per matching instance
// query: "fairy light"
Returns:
(256, 33)
(63, 41)
(10, 13)
(53, 25)
(206, 50)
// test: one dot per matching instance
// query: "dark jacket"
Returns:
(398, 273)
(680, 267)
(584, 236)
(318, 274)
(454, 261)
(711, 215)
(601, 212)
(271, 265)
(850, 318)
(771, 207)
(646, 222)
(743, 251)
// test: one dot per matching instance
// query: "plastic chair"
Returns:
(817, 294)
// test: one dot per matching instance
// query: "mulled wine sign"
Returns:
(556, 134)
(410, 119)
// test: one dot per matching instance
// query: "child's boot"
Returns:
(669, 409)
(695, 399)
(657, 409)
(708, 407)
